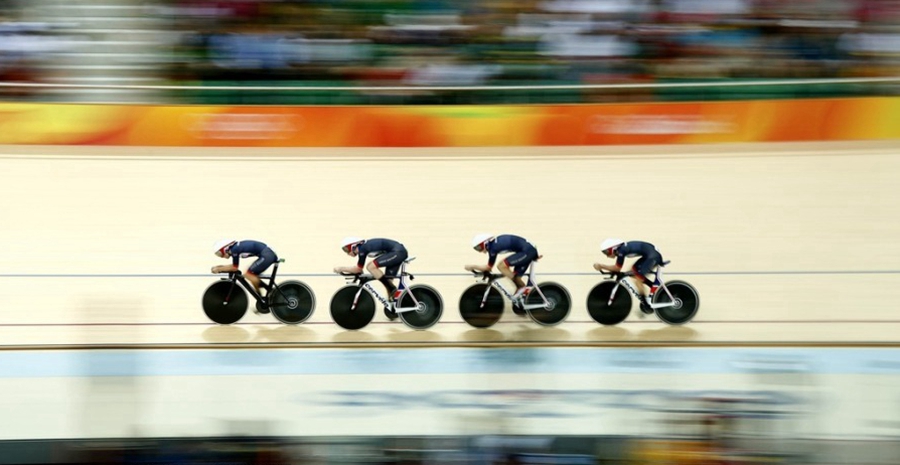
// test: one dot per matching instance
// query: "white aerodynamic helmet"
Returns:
(610, 243)
(348, 242)
(479, 240)
(221, 245)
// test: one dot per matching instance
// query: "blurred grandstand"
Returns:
(443, 43)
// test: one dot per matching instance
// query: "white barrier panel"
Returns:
(785, 393)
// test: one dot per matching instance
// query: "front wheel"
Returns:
(224, 302)
(428, 311)
(683, 308)
(602, 310)
(555, 308)
(479, 311)
(292, 302)
(345, 314)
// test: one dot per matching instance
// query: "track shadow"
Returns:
(609, 333)
(411, 335)
(482, 335)
(225, 334)
(353, 337)
(668, 334)
(535, 333)
(285, 333)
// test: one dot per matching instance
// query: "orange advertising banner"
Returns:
(451, 126)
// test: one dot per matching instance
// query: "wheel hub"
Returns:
(293, 303)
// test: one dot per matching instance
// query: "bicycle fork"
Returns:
(487, 291)
(374, 293)
(234, 284)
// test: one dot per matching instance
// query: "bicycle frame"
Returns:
(627, 284)
(239, 278)
(530, 283)
(403, 287)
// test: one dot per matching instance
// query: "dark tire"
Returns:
(352, 318)
(559, 304)
(292, 302)
(687, 302)
(432, 307)
(473, 313)
(599, 308)
(218, 309)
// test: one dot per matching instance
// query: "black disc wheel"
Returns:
(428, 303)
(348, 316)
(479, 311)
(683, 308)
(602, 310)
(292, 302)
(224, 302)
(556, 304)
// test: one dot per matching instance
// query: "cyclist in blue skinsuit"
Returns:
(245, 249)
(387, 253)
(649, 259)
(514, 266)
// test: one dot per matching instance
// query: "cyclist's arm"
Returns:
(610, 268)
(224, 268)
(620, 260)
(348, 269)
(481, 268)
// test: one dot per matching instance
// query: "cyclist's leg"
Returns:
(506, 269)
(391, 263)
(638, 278)
(373, 269)
(265, 260)
(531, 256)
(652, 266)
(642, 268)
(519, 263)
(522, 268)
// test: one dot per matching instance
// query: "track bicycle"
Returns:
(290, 302)
(481, 304)
(353, 306)
(674, 303)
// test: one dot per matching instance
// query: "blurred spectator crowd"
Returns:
(445, 42)
(471, 450)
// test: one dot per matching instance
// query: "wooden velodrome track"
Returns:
(786, 243)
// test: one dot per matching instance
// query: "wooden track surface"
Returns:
(786, 243)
